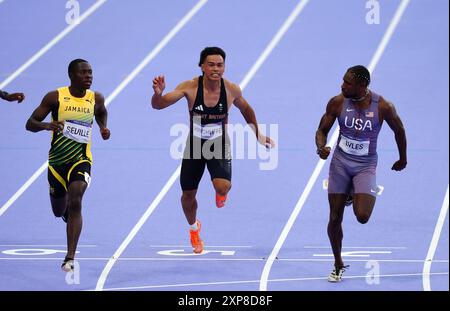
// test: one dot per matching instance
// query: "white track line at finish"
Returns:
(433, 244)
(320, 278)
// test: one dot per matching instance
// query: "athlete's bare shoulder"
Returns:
(385, 104)
(99, 96)
(99, 100)
(188, 85)
(51, 98)
(232, 88)
(50, 101)
(189, 89)
(386, 108)
(337, 100)
(335, 104)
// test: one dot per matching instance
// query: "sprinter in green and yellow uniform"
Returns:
(73, 110)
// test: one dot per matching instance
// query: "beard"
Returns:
(349, 95)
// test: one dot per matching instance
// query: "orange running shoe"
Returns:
(196, 242)
(220, 200)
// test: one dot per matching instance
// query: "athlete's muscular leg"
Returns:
(222, 186)
(189, 203)
(75, 223)
(363, 205)
(59, 205)
(335, 233)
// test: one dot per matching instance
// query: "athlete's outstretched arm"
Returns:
(325, 125)
(101, 115)
(395, 123)
(160, 101)
(250, 117)
(19, 97)
(49, 103)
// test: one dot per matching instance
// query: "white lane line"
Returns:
(51, 258)
(156, 50)
(101, 280)
(43, 245)
(364, 260)
(273, 280)
(115, 93)
(357, 247)
(274, 42)
(49, 45)
(173, 178)
(206, 246)
(433, 245)
(352, 254)
(24, 187)
(312, 180)
(123, 259)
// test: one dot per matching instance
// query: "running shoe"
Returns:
(336, 275)
(67, 265)
(220, 200)
(196, 242)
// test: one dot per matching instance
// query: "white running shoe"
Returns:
(336, 275)
(67, 265)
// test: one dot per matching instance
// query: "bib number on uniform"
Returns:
(354, 147)
(78, 131)
(208, 131)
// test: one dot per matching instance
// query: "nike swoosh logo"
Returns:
(349, 110)
(372, 191)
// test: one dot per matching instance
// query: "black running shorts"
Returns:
(193, 165)
(60, 177)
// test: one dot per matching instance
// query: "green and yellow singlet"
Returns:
(74, 142)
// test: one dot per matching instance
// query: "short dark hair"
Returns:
(361, 74)
(74, 63)
(211, 50)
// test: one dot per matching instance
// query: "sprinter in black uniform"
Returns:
(209, 99)
(208, 143)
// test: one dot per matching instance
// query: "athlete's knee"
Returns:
(335, 219)
(336, 215)
(222, 187)
(362, 213)
(75, 203)
(59, 205)
(188, 197)
(363, 218)
(58, 212)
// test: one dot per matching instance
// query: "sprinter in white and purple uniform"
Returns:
(360, 113)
